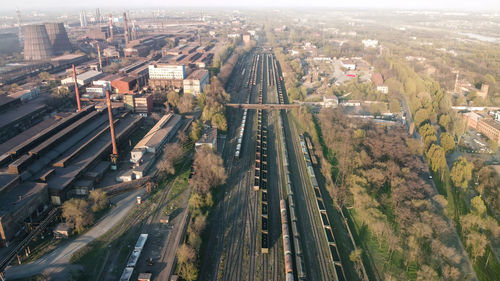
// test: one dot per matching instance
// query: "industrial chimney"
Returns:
(125, 28)
(99, 56)
(114, 155)
(76, 90)
(111, 27)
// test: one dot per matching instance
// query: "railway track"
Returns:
(232, 244)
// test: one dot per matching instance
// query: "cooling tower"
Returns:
(36, 42)
(58, 38)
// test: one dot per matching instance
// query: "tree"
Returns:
(414, 146)
(44, 76)
(493, 146)
(198, 224)
(173, 98)
(444, 121)
(426, 273)
(186, 103)
(99, 200)
(219, 121)
(209, 171)
(76, 212)
(476, 242)
(183, 138)
(196, 129)
(478, 207)
(436, 157)
(186, 254)
(189, 272)
(421, 116)
(461, 173)
(447, 142)
(171, 153)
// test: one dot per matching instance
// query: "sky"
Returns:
(461, 5)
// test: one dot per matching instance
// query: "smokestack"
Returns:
(134, 31)
(114, 156)
(99, 56)
(76, 90)
(111, 26)
(125, 27)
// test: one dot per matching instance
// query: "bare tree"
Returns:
(171, 153)
(209, 170)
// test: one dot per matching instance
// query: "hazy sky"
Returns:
(463, 5)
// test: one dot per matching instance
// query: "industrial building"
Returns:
(58, 37)
(20, 204)
(166, 75)
(83, 79)
(10, 43)
(16, 116)
(145, 152)
(196, 81)
(142, 104)
(36, 43)
(69, 155)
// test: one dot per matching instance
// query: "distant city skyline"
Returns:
(452, 5)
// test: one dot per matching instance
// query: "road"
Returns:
(60, 257)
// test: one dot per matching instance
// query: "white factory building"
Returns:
(167, 71)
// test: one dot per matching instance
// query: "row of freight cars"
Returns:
(279, 82)
(241, 132)
(260, 180)
(271, 74)
(242, 127)
(134, 257)
(327, 227)
(295, 235)
(252, 81)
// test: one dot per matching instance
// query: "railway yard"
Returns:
(270, 222)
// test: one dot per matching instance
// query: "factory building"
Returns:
(99, 33)
(83, 79)
(97, 90)
(145, 152)
(196, 81)
(166, 71)
(10, 43)
(142, 104)
(167, 75)
(20, 204)
(125, 85)
(16, 116)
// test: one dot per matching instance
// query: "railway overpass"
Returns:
(263, 106)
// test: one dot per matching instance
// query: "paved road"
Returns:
(60, 257)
